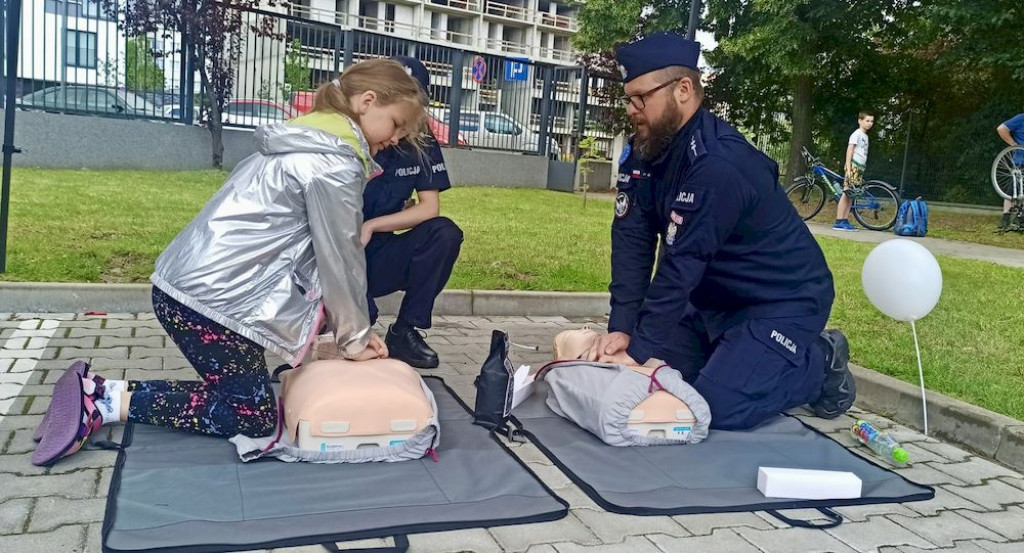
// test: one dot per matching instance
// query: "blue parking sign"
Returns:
(516, 69)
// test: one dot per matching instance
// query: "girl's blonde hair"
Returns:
(388, 79)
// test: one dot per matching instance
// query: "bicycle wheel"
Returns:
(1008, 173)
(875, 205)
(807, 197)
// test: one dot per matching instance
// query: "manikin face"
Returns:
(577, 344)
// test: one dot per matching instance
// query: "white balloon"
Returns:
(902, 279)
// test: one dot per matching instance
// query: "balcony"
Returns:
(554, 54)
(559, 22)
(457, 6)
(508, 12)
(507, 46)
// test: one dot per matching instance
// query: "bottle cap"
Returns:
(900, 455)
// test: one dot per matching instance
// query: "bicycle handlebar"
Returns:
(811, 160)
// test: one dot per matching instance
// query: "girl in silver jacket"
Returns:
(270, 259)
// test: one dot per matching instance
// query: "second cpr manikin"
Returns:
(623, 405)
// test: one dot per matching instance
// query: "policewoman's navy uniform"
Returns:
(741, 291)
(419, 260)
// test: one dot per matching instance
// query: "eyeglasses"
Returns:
(638, 99)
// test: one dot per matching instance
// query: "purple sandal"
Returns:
(73, 417)
(79, 367)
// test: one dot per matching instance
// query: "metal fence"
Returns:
(74, 59)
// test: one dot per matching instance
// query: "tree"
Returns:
(210, 32)
(142, 73)
(605, 24)
(297, 74)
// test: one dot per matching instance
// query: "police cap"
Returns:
(656, 51)
(416, 69)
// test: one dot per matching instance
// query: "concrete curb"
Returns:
(54, 297)
(990, 434)
(995, 436)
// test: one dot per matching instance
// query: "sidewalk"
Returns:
(993, 254)
(979, 505)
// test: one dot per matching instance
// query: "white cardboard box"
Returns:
(807, 484)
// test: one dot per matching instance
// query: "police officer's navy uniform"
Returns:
(419, 260)
(741, 291)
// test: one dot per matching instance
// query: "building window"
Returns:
(80, 49)
(76, 8)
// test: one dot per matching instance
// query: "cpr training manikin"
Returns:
(623, 405)
(339, 411)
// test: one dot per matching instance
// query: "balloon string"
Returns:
(920, 372)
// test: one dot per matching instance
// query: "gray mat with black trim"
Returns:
(173, 491)
(717, 475)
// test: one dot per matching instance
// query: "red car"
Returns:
(302, 102)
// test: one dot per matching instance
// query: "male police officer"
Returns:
(420, 260)
(741, 292)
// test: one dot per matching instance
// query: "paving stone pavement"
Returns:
(979, 504)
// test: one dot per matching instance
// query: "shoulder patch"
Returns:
(621, 205)
(626, 151)
(695, 148)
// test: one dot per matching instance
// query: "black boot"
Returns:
(406, 344)
(840, 389)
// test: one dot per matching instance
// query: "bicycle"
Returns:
(1008, 180)
(875, 203)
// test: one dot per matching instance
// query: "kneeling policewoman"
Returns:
(741, 293)
(420, 260)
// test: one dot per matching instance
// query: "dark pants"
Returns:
(234, 395)
(418, 261)
(754, 370)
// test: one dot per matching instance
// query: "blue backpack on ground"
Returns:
(912, 218)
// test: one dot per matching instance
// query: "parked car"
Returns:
(253, 113)
(161, 98)
(90, 99)
(496, 130)
(302, 102)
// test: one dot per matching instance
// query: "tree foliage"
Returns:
(211, 32)
(940, 75)
(141, 71)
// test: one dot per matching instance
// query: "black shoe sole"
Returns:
(839, 390)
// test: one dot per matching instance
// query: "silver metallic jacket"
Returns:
(279, 243)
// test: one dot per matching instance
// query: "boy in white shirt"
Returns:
(856, 161)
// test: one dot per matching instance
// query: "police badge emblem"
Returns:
(670, 234)
(677, 218)
(621, 205)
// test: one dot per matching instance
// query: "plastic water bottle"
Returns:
(882, 444)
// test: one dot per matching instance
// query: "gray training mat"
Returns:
(176, 492)
(716, 475)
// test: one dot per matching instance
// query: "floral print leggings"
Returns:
(234, 396)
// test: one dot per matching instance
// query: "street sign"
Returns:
(516, 69)
(479, 69)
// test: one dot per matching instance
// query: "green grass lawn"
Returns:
(109, 227)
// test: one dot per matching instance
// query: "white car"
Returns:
(495, 130)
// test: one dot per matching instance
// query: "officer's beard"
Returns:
(659, 134)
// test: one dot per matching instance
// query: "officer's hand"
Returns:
(375, 349)
(621, 358)
(612, 343)
(366, 233)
